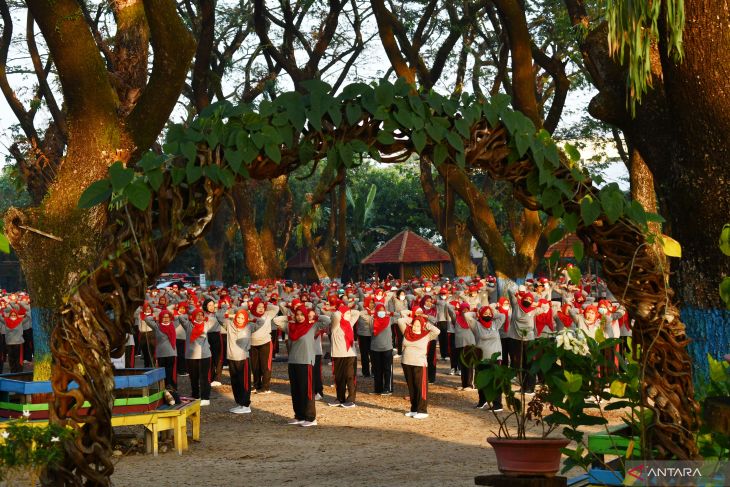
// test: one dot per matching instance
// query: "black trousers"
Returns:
(216, 355)
(506, 344)
(169, 363)
(180, 346)
(467, 373)
(275, 342)
(397, 338)
(453, 354)
(224, 351)
(3, 352)
(318, 383)
(364, 343)
(443, 340)
(417, 387)
(345, 383)
(260, 357)
(129, 356)
(518, 360)
(302, 391)
(431, 358)
(199, 370)
(15, 357)
(382, 371)
(240, 371)
(147, 344)
(28, 345)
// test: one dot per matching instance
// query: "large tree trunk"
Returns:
(264, 249)
(212, 248)
(454, 231)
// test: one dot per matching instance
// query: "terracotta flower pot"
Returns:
(529, 457)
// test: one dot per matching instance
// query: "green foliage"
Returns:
(27, 448)
(633, 27)
(714, 444)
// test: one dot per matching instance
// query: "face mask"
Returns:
(505, 307)
(381, 314)
(402, 298)
(602, 310)
(428, 289)
(526, 303)
(486, 318)
(427, 306)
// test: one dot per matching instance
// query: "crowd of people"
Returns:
(198, 332)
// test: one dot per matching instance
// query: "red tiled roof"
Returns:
(564, 247)
(407, 247)
(300, 260)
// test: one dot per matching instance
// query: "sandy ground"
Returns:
(373, 444)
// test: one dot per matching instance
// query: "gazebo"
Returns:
(407, 255)
(299, 267)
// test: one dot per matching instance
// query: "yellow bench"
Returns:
(175, 418)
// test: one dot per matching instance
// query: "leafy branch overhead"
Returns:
(389, 122)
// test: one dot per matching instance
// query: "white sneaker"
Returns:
(420, 416)
(205, 402)
(225, 367)
(215, 383)
(318, 397)
(395, 355)
(349, 405)
(307, 424)
(409, 414)
(334, 404)
(295, 422)
(460, 388)
(265, 392)
(241, 410)
(452, 372)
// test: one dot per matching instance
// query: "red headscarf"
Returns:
(500, 304)
(544, 319)
(485, 324)
(410, 335)
(460, 319)
(144, 313)
(184, 306)
(12, 323)
(298, 330)
(525, 295)
(346, 326)
(432, 310)
(198, 327)
(169, 328)
(564, 316)
(245, 319)
(254, 306)
(593, 308)
(380, 324)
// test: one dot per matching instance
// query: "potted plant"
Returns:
(571, 397)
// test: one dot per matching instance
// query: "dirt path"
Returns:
(373, 444)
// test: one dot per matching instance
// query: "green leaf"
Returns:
(189, 150)
(551, 197)
(555, 235)
(589, 209)
(385, 138)
(572, 152)
(4, 244)
(345, 152)
(138, 194)
(578, 250)
(574, 381)
(227, 177)
(612, 201)
(462, 126)
(455, 141)
(575, 275)
(155, 178)
(352, 113)
(97, 192)
(570, 220)
(671, 247)
(234, 159)
(522, 141)
(436, 132)
(120, 176)
(618, 388)
(725, 291)
(273, 152)
(440, 154)
(724, 241)
(178, 175)
(384, 93)
(193, 172)
(419, 140)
